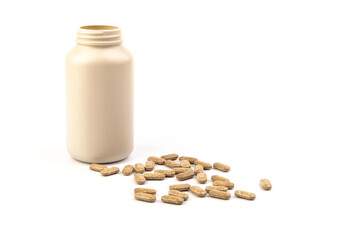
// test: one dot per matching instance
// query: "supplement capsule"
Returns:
(198, 169)
(139, 178)
(198, 191)
(109, 171)
(149, 165)
(172, 199)
(145, 197)
(219, 194)
(97, 167)
(172, 156)
(145, 190)
(180, 187)
(245, 195)
(157, 160)
(218, 188)
(229, 185)
(139, 168)
(192, 160)
(185, 164)
(201, 178)
(128, 169)
(172, 164)
(181, 170)
(154, 176)
(219, 178)
(265, 184)
(185, 175)
(221, 167)
(206, 165)
(168, 173)
(177, 193)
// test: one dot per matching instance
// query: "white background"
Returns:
(269, 87)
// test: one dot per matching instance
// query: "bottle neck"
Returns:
(98, 35)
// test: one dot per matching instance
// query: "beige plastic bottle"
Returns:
(99, 96)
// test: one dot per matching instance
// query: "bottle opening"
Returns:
(99, 27)
(99, 35)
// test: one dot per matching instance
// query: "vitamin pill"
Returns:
(145, 197)
(168, 173)
(198, 169)
(172, 164)
(97, 167)
(198, 191)
(229, 185)
(177, 193)
(172, 156)
(218, 188)
(180, 187)
(185, 164)
(109, 171)
(201, 178)
(154, 176)
(149, 165)
(245, 195)
(172, 199)
(221, 167)
(139, 168)
(181, 170)
(139, 178)
(219, 178)
(145, 190)
(206, 165)
(265, 184)
(219, 194)
(192, 160)
(157, 160)
(185, 175)
(128, 169)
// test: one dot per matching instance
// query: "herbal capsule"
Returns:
(172, 156)
(219, 178)
(219, 194)
(198, 191)
(221, 167)
(128, 169)
(149, 165)
(185, 175)
(198, 169)
(145, 190)
(206, 165)
(157, 160)
(109, 171)
(139, 178)
(218, 188)
(201, 178)
(154, 176)
(168, 173)
(139, 168)
(245, 195)
(145, 197)
(180, 187)
(192, 160)
(181, 170)
(265, 184)
(229, 185)
(172, 199)
(172, 164)
(177, 193)
(97, 167)
(185, 164)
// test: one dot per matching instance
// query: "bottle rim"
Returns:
(99, 35)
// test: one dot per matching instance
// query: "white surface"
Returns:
(269, 87)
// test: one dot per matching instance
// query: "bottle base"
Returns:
(103, 160)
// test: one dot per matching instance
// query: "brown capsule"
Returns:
(177, 193)
(139, 168)
(109, 171)
(201, 178)
(245, 195)
(265, 184)
(198, 169)
(180, 187)
(145, 197)
(229, 185)
(97, 167)
(172, 156)
(222, 167)
(172, 164)
(185, 175)
(181, 170)
(218, 188)
(168, 173)
(157, 160)
(145, 190)
(219, 194)
(172, 199)
(198, 191)
(206, 165)
(219, 178)
(185, 164)
(192, 160)
(128, 169)
(139, 178)
(154, 176)
(149, 165)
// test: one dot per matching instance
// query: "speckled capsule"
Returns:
(220, 194)
(229, 185)
(201, 178)
(192, 160)
(157, 160)
(172, 164)
(219, 178)
(198, 191)
(222, 167)
(168, 173)
(97, 167)
(139, 178)
(245, 195)
(185, 175)
(109, 171)
(172, 199)
(177, 193)
(128, 169)
(218, 188)
(139, 168)
(149, 165)
(265, 184)
(180, 187)
(154, 176)
(172, 156)
(206, 165)
(145, 197)
(145, 190)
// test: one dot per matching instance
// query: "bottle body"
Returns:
(99, 100)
